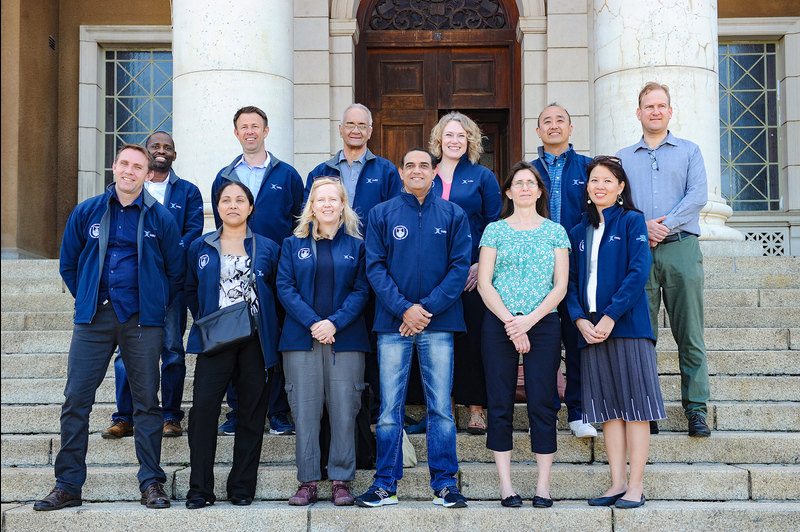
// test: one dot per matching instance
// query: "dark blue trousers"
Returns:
(91, 349)
(572, 363)
(173, 369)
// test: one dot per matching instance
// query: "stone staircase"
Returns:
(745, 477)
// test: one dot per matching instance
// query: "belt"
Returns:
(676, 236)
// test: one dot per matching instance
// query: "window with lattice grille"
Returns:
(138, 99)
(749, 125)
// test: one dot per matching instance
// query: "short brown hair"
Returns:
(250, 109)
(651, 86)
(140, 149)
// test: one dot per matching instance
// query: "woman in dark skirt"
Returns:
(609, 268)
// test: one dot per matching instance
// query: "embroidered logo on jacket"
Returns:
(94, 231)
(465, 181)
(372, 180)
(641, 238)
(303, 253)
(349, 257)
(577, 182)
(612, 238)
(276, 187)
(582, 245)
(174, 205)
(202, 261)
(149, 234)
(439, 231)
(400, 232)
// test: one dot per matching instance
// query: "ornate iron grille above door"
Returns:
(437, 15)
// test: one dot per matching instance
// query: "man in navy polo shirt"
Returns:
(563, 172)
(184, 201)
(278, 192)
(122, 260)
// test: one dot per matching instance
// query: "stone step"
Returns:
(753, 280)
(723, 388)
(714, 317)
(734, 362)
(722, 416)
(65, 302)
(751, 264)
(54, 365)
(716, 338)
(29, 268)
(731, 317)
(728, 339)
(478, 481)
(743, 516)
(32, 285)
(667, 447)
(741, 297)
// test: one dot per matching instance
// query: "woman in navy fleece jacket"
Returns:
(606, 298)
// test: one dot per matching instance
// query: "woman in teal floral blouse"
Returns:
(522, 276)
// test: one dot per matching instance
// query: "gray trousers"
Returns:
(320, 377)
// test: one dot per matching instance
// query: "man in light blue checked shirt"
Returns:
(668, 183)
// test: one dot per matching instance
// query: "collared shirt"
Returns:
(252, 176)
(669, 180)
(158, 190)
(120, 280)
(555, 167)
(349, 174)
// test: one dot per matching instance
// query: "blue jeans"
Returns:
(435, 351)
(173, 369)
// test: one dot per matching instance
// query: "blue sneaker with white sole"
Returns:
(449, 497)
(376, 496)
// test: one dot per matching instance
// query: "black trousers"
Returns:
(469, 383)
(500, 362)
(245, 364)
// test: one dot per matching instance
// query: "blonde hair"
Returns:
(474, 140)
(349, 217)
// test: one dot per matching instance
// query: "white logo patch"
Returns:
(582, 245)
(642, 238)
(94, 231)
(400, 232)
(303, 253)
(439, 231)
(202, 261)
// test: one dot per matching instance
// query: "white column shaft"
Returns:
(673, 42)
(228, 54)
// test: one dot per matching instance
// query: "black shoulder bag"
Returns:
(229, 326)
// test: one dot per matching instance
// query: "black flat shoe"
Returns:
(605, 501)
(512, 501)
(195, 503)
(241, 501)
(541, 502)
(654, 427)
(622, 503)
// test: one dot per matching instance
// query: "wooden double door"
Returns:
(410, 79)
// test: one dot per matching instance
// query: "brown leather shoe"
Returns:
(172, 429)
(341, 494)
(120, 429)
(154, 497)
(56, 500)
(306, 494)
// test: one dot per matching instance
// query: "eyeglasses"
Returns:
(521, 184)
(334, 178)
(653, 161)
(350, 126)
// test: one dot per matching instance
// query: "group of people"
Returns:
(350, 275)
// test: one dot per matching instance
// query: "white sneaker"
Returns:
(582, 430)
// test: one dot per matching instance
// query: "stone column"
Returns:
(673, 42)
(228, 54)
